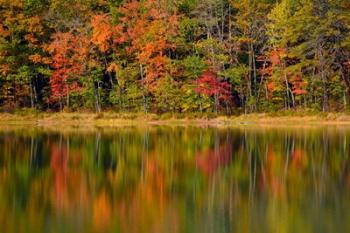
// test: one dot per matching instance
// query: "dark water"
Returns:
(175, 179)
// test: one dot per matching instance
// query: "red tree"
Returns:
(277, 60)
(69, 54)
(209, 84)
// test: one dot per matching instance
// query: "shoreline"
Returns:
(118, 119)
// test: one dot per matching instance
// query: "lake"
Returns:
(175, 179)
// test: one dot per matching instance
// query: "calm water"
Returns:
(175, 179)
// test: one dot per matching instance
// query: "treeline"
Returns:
(221, 56)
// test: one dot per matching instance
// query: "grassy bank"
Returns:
(135, 119)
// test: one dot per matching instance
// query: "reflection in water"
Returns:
(177, 179)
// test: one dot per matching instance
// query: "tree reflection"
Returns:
(169, 179)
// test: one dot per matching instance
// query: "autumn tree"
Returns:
(209, 85)
(249, 31)
(149, 27)
(23, 62)
(69, 53)
(313, 34)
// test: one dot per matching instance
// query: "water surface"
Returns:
(175, 179)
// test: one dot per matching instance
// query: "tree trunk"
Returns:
(325, 104)
(289, 92)
(143, 90)
(97, 98)
(250, 74)
(35, 90)
(14, 95)
(109, 74)
(345, 77)
(216, 99)
(262, 79)
(68, 99)
(254, 68)
(31, 94)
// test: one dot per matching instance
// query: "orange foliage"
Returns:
(102, 212)
(31, 38)
(276, 56)
(3, 32)
(35, 58)
(148, 28)
(35, 25)
(105, 35)
(297, 157)
(112, 67)
(272, 177)
(4, 69)
(102, 32)
(274, 60)
(59, 166)
(154, 183)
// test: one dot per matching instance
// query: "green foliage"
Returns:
(168, 95)
(193, 67)
(189, 29)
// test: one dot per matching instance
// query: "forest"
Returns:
(175, 56)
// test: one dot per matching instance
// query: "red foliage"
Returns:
(59, 167)
(274, 61)
(298, 85)
(68, 55)
(208, 84)
(211, 160)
